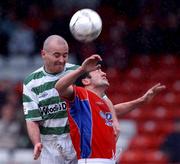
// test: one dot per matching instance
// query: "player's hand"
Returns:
(91, 63)
(148, 96)
(37, 150)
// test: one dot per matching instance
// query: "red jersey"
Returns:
(91, 125)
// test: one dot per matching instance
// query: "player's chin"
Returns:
(59, 68)
(106, 83)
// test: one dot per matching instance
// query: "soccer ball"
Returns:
(85, 25)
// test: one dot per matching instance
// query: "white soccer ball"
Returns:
(85, 25)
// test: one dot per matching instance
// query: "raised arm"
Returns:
(64, 84)
(126, 107)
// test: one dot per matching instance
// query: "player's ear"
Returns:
(42, 53)
(86, 81)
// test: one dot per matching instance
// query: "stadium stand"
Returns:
(155, 120)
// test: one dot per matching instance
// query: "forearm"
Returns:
(33, 131)
(126, 107)
(68, 79)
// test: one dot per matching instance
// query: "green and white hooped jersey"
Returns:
(41, 101)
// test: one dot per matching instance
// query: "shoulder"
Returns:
(37, 74)
(79, 89)
(80, 92)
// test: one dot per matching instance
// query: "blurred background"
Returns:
(140, 46)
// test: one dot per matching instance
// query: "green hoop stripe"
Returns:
(33, 114)
(44, 87)
(50, 101)
(26, 98)
(62, 114)
(34, 76)
(56, 130)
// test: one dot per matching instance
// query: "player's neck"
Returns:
(51, 71)
(97, 90)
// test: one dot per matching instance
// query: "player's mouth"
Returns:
(104, 77)
(59, 64)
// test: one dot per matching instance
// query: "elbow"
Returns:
(57, 87)
(60, 88)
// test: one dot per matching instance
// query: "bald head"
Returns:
(55, 54)
(54, 40)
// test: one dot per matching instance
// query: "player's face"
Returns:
(55, 57)
(98, 78)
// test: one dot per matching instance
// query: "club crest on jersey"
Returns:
(107, 116)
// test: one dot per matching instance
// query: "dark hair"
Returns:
(78, 82)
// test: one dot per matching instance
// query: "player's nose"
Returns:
(103, 73)
(61, 59)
